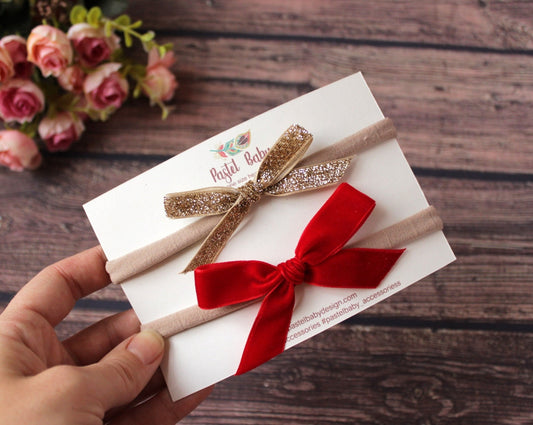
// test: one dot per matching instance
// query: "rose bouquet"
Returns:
(60, 76)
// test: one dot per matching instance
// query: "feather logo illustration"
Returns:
(234, 146)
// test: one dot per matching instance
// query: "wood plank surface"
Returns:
(457, 79)
(446, 118)
(503, 24)
(372, 375)
(491, 233)
(356, 374)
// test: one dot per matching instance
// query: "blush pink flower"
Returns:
(72, 79)
(16, 46)
(18, 151)
(60, 131)
(6, 65)
(49, 49)
(105, 87)
(20, 100)
(159, 83)
(91, 43)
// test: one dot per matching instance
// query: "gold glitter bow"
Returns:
(275, 177)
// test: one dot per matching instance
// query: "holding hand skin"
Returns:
(96, 376)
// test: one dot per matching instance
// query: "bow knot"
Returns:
(293, 270)
(276, 176)
(251, 191)
(319, 260)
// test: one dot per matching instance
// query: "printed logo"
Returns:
(234, 146)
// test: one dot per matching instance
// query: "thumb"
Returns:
(121, 375)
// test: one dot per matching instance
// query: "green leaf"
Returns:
(127, 39)
(162, 51)
(78, 14)
(137, 71)
(136, 24)
(30, 128)
(123, 20)
(148, 36)
(137, 91)
(118, 56)
(94, 15)
(164, 113)
(108, 29)
(149, 45)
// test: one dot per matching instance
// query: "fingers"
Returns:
(92, 343)
(121, 375)
(154, 387)
(54, 291)
(161, 409)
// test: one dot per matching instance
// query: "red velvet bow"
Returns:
(318, 260)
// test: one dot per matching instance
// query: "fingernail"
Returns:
(147, 346)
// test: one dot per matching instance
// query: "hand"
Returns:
(100, 374)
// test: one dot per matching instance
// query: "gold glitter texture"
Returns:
(219, 236)
(310, 178)
(283, 156)
(275, 176)
(200, 202)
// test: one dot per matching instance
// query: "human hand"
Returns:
(99, 375)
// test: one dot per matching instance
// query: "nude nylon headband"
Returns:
(139, 260)
(399, 234)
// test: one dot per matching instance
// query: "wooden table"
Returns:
(457, 79)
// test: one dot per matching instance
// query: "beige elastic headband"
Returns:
(137, 261)
(414, 227)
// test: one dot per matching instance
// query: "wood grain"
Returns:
(456, 77)
(378, 374)
(375, 374)
(447, 118)
(490, 232)
(504, 24)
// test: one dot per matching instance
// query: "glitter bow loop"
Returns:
(276, 176)
(319, 260)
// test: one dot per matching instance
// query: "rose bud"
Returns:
(20, 100)
(159, 83)
(72, 79)
(49, 49)
(91, 43)
(16, 46)
(105, 87)
(6, 65)
(18, 151)
(60, 131)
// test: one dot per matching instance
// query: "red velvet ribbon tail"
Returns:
(354, 268)
(232, 282)
(269, 331)
(334, 224)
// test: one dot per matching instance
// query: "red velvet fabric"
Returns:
(319, 260)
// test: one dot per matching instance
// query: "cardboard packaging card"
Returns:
(131, 216)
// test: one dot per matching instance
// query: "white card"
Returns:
(131, 216)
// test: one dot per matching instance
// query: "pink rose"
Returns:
(20, 100)
(49, 49)
(16, 46)
(59, 132)
(6, 65)
(91, 43)
(72, 79)
(18, 151)
(105, 87)
(159, 83)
